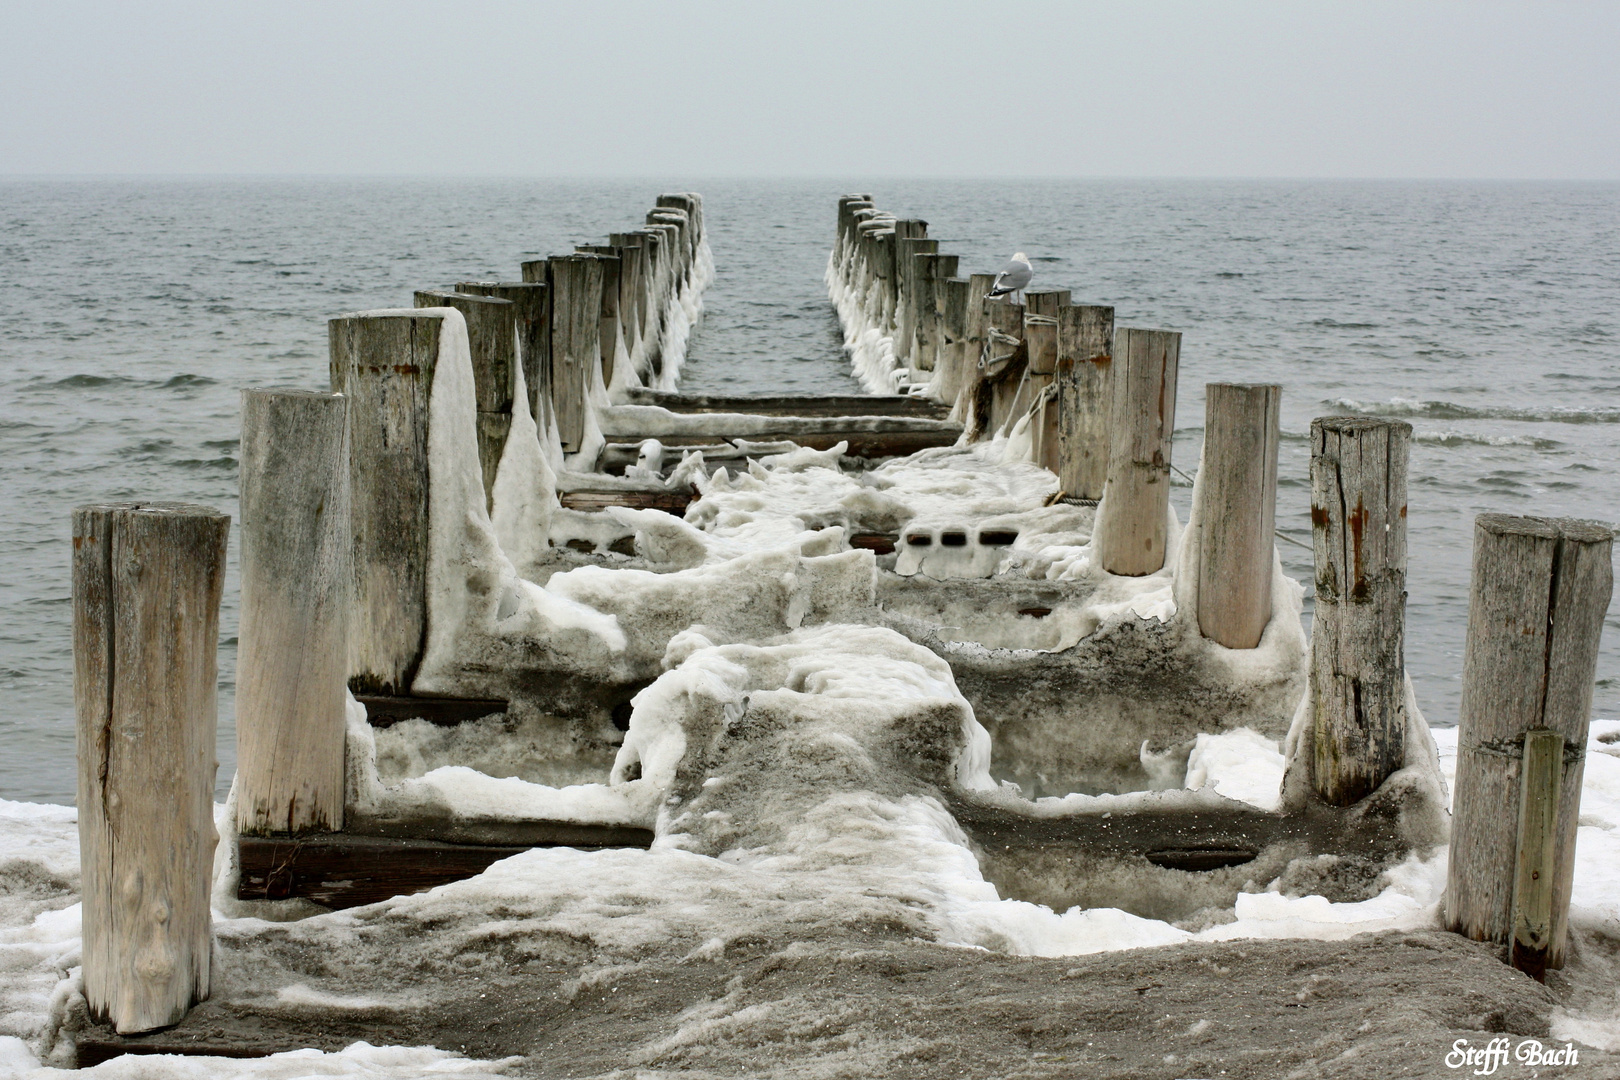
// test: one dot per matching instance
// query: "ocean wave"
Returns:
(1445, 410)
(1470, 438)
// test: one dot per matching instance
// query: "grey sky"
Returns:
(1357, 89)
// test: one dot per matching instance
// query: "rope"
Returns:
(1275, 532)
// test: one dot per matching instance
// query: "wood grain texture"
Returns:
(492, 344)
(576, 336)
(1358, 665)
(1537, 599)
(953, 352)
(671, 502)
(1041, 305)
(147, 580)
(1085, 387)
(611, 334)
(531, 310)
(1536, 859)
(1005, 362)
(293, 658)
(972, 401)
(383, 365)
(1237, 512)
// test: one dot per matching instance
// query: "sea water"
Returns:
(135, 311)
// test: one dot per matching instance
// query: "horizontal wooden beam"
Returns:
(445, 712)
(866, 444)
(344, 870)
(794, 404)
(671, 502)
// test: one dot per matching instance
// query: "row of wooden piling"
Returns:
(334, 505)
(1101, 407)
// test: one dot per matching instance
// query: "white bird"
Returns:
(1013, 277)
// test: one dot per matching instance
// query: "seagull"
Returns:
(1013, 277)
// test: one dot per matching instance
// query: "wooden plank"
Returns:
(293, 665)
(1537, 600)
(385, 711)
(1131, 522)
(1237, 512)
(671, 502)
(867, 444)
(383, 365)
(147, 581)
(793, 404)
(1358, 525)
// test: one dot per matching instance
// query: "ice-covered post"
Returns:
(384, 365)
(1084, 378)
(492, 343)
(576, 336)
(1358, 664)
(147, 580)
(293, 661)
(1536, 604)
(611, 334)
(531, 308)
(1237, 512)
(1132, 520)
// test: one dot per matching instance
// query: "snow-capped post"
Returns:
(1358, 665)
(383, 365)
(611, 335)
(906, 267)
(293, 660)
(492, 343)
(1131, 522)
(953, 356)
(675, 222)
(531, 308)
(147, 580)
(1237, 511)
(1539, 592)
(1085, 361)
(576, 334)
(932, 272)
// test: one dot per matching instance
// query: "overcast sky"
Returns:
(1352, 89)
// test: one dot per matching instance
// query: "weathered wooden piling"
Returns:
(1358, 524)
(293, 660)
(1041, 311)
(384, 365)
(1040, 333)
(1237, 512)
(611, 334)
(492, 344)
(1132, 520)
(1085, 387)
(1537, 600)
(147, 580)
(906, 267)
(1006, 359)
(929, 276)
(953, 354)
(969, 408)
(531, 309)
(576, 336)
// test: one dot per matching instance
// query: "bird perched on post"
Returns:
(1013, 277)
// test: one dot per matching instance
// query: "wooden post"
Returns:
(1041, 305)
(1537, 600)
(611, 335)
(492, 342)
(576, 334)
(973, 399)
(637, 247)
(383, 365)
(930, 273)
(1536, 860)
(1085, 388)
(1008, 360)
(147, 580)
(531, 308)
(1040, 334)
(1131, 523)
(953, 357)
(1358, 523)
(906, 266)
(293, 662)
(1237, 511)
